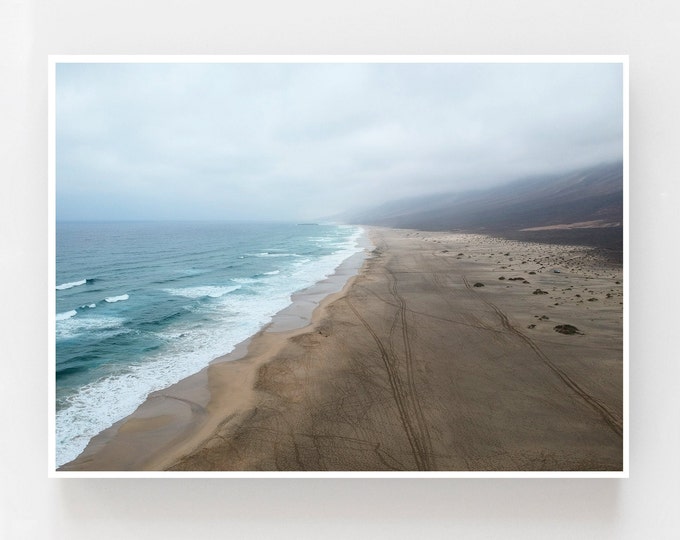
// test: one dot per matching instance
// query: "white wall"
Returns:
(646, 505)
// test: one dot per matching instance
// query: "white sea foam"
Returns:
(270, 254)
(200, 292)
(101, 403)
(76, 326)
(113, 299)
(245, 280)
(66, 315)
(96, 406)
(272, 273)
(70, 285)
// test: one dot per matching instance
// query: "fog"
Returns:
(286, 141)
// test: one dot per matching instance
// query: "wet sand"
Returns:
(440, 355)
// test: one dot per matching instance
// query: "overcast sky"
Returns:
(301, 141)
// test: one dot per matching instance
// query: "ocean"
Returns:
(141, 305)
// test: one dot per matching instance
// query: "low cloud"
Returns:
(298, 141)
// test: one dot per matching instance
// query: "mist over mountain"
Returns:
(584, 206)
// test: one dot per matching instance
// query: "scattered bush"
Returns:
(567, 329)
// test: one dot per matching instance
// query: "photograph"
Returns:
(338, 266)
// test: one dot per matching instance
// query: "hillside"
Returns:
(582, 207)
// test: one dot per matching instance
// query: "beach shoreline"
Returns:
(174, 413)
(439, 355)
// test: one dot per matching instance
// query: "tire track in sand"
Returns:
(421, 424)
(610, 418)
(398, 393)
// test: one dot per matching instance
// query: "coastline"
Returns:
(175, 413)
(412, 365)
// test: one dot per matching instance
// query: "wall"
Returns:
(643, 506)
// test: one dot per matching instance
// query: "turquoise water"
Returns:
(140, 306)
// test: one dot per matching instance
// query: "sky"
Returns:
(294, 141)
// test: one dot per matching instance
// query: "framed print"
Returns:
(338, 266)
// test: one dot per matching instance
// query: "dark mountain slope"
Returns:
(584, 207)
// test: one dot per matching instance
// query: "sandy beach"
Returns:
(447, 352)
